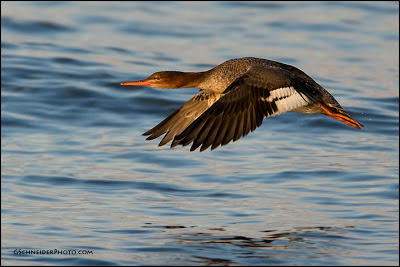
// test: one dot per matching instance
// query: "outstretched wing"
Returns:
(262, 91)
(179, 120)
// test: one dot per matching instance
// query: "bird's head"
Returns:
(165, 79)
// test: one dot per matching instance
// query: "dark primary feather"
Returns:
(181, 118)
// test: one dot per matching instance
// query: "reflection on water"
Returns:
(211, 247)
(301, 190)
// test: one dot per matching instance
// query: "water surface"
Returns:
(300, 190)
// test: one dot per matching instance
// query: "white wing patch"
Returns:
(286, 99)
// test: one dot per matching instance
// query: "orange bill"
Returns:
(138, 83)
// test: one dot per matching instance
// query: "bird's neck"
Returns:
(188, 79)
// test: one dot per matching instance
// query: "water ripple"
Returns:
(77, 174)
(34, 27)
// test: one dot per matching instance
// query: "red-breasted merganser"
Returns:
(234, 99)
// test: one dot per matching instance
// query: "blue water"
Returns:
(300, 190)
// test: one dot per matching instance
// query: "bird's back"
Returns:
(220, 77)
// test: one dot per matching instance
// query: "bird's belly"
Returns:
(310, 109)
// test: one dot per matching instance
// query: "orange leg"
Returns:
(339, 116)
